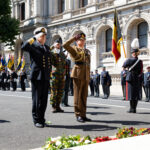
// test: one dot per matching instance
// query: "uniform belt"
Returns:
(80, 63)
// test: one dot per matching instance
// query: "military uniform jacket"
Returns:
(133, 87)
(59, 67)
(81, 57)
(41, 59)
(13, 76)
(4, 76)
(23, 76)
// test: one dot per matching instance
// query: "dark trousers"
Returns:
(92, 89)
(14, 85)
(3, 85)
(124, 91)
(96, 87)
(147, 90)
(23, 87)
(39, 100)
(106, 90)
(65, 94)
(80, 96)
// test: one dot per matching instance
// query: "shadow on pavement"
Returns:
(92, 113)
(122, 122)
(4, 121)
(144, 113)
(86, 127)
(96, 107)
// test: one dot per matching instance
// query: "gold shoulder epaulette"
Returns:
(31, 41)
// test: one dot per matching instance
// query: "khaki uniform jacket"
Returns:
(81, 57)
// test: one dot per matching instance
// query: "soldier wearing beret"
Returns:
(58, 77)
(135, 67)
(80, 74)
(41, 61)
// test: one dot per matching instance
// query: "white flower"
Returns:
(58, 143)
(87, 141)
(55, 139)
(76, 142)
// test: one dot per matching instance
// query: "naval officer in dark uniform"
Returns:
(41, 60)
(135, 66)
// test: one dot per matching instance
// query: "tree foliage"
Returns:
(9, 27)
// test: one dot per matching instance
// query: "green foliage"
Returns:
(5, 7)
(9, 27)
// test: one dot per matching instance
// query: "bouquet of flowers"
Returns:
(72, 141)
(130, 132)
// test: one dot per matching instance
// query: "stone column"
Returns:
(37, 9)
(76, 4)
(68, 5)
(27, 9)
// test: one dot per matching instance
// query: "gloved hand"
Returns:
(77, 37)
(38, 35)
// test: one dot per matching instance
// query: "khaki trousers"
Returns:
(80, 96)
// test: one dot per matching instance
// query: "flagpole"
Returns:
(124, 49)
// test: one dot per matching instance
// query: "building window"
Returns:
(61, 6)
(108, 40)
(22, 11)
(142, 34)
(83, 3)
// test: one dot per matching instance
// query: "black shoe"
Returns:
(86, 119)
(80, 119)
(147, 100)
(39, 125)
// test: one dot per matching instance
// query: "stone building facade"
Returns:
(66, 18)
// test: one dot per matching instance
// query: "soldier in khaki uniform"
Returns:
(80, 74)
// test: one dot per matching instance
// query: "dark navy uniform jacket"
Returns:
(4, 76)
(41, 59)
(133, 87)
(104, 77)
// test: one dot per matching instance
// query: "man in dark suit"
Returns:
(41, 60)
(123, 82)
(147, 84)
(91, 83)
(96, 81)
(104, 82)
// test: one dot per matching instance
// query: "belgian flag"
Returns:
(117, 39)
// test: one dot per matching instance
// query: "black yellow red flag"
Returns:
(117, 39)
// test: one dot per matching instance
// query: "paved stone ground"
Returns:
(18, 133)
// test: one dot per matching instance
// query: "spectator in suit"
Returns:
(96, 81)
(123, 82)
(104, 82)
(91, 83)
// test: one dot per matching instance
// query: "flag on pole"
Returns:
(117, 39)
(10, 63)
(23, 63)
(19, 64)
